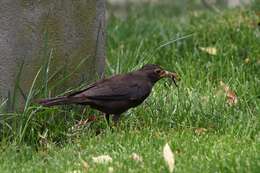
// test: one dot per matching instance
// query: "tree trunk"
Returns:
(63, 38)
(236, 3)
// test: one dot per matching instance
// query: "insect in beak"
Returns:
(174, 76)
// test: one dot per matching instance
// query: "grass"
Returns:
(41, 139)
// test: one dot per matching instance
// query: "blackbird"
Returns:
(116, 94)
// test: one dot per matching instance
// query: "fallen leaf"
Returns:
(200, 131)
(80, 124)
(85, 165)
(137, 157)
(102, 159)
(84, 122)
(92, 118)
(168, 157)
(75, 171)
(204, 99)
(230, 95)
(209, 50)
(247, 60)
(110, 169)
(195, 13)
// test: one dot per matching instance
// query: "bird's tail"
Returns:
(54, 101)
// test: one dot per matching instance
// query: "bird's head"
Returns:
(154, 72)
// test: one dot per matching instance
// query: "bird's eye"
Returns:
(158, 71)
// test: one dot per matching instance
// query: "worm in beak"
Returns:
(174, 76)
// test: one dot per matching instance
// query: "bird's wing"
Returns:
(86, 88)
(116, 89)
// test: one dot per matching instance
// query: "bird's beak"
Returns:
(174, 76)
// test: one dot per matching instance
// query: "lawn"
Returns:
(211, 121)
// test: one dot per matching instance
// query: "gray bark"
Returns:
(66, 30)
(235, 3)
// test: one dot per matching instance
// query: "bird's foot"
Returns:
(115, 119)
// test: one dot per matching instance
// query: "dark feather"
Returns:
(116, 94)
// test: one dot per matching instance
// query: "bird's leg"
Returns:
(116, 118)
(107, 118)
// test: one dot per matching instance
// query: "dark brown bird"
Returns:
(118, 93)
